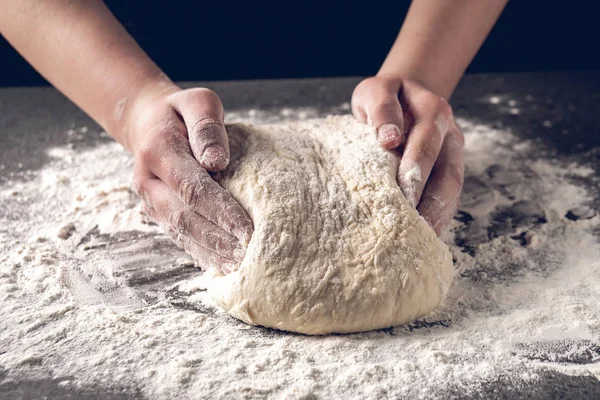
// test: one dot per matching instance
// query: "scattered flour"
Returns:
(77, 315)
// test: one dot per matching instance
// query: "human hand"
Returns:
(421, 125)
(178, 137)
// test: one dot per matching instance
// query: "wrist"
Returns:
(130, 112)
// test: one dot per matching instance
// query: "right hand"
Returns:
(420, 125)
(177, 137)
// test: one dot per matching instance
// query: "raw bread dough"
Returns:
(336, 247)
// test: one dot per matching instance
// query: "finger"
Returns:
(203, 257)
(168, 210)
(442, 193)
(420, 153)
(202, 112)
(387, 119)
(378, 106)
(196, 189)
(423, 145)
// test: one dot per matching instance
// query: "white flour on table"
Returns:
(75, 314)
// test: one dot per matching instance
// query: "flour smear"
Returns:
(95, 297)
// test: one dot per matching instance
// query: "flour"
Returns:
(83, 313)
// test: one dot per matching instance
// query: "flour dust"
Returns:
(95, 297)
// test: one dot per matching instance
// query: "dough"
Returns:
(336, 247)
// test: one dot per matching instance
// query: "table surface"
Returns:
(569, 100)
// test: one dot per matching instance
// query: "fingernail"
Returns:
(214, 157)
(243, 235)
(390, 135)
(239, 254)
(246, 239)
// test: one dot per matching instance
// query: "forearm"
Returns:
(81, 48)
(438, 40)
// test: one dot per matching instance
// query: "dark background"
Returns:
(235, 39)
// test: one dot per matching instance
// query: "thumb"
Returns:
(202, 113)
(376, 103)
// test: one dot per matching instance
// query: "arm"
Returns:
(406, 100)
(439, 39)
(177, 136)
(81, 49)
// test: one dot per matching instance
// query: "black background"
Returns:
(235, 39)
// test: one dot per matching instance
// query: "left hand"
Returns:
(421, 125)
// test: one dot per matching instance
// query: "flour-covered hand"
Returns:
(420, 125)
(178, 137)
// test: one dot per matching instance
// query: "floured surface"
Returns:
(336, 246)
(108, 310)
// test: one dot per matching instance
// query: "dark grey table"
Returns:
(569, 100)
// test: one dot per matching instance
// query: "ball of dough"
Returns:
(336, 247)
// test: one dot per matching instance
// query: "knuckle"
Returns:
(180, 240)
(207, 97)
(436, 105)
(149, 211)
(357, 111)
(444, 107)
(206, 93)
(147, 151)
(457, 175)
(365, 84)
(223, 246)
(459, 136)
(371, 86)
(207, 126)
(139, 187)
(168, 229)
(358, 108)
(189, 192)
(179, 221)
(431, 100)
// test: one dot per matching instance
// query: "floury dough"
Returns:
(336, 247)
